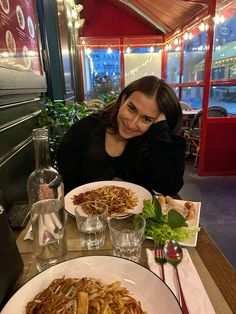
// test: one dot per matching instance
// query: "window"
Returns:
(102, 72)
(193, 96)
(140, 62)
(173, 65)
(224, 57)
(194, 55)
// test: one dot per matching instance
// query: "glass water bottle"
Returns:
(46, 201)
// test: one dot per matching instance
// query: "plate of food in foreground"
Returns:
(121, 197)
(168, 218)
(97, 284)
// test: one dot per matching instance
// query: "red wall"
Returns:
(102, 18)
(219, 155)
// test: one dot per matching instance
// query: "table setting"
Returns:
(119, 245)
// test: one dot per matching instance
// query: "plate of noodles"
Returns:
(95, 284)
(121, 197)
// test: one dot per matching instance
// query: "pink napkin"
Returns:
(194, 292)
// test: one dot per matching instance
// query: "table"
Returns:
(217, 275)
(191, 112)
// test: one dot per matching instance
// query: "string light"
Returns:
(176, 41)
(109, 50)
(128, 50)
(88, 51)
(219, 19)
(151, 49)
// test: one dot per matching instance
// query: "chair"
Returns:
(185, 106)
(186, 119)
(193, 134)
(95, 103)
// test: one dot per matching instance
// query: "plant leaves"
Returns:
(175, 219)
(158, 210)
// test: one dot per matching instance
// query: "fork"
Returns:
(160, 259)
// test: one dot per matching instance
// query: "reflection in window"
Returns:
(224, 49)
(102, 72)
(193, 96)
(224, 56)
(140, 62)
(194, 54)
(173, 65)
(224, 96)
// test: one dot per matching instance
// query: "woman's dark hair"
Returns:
(150, 86)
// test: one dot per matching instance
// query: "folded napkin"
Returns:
(194, 292)
(29, 234)
(50, 229)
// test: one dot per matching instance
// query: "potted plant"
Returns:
(58, 117)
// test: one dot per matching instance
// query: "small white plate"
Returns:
(191, 242)
(140, 192)
(155, 296)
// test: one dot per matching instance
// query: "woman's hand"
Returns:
(161, 117)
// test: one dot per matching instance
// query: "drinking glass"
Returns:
(127, 236)
(91, 218)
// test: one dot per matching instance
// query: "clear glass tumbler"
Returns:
(127, 236)
(91, 218)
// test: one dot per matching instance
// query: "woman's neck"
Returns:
(114, 143)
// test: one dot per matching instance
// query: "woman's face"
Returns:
(136, 115)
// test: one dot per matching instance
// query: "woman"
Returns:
(135, 139)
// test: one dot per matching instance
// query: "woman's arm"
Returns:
(164, 161)
(71, 153)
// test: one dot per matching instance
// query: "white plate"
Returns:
(192, 223)
(140, 192)
(191, 242)
(149, 289)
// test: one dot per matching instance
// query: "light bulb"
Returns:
(109, 50)
(151, 49)
(202, 27)
(185, 35)
(128, 50)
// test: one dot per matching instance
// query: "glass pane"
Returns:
(194, 54)
(176, 90)
(173, 65)
(193, 96)
(101, 72)
(141, 64)
(224, 96)
(224, 49)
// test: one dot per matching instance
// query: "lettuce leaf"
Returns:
(165, 227)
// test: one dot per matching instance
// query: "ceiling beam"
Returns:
(150, 20)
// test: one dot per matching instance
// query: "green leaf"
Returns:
(158, 210)
(148, 209)
(175, 219)
(137, 222)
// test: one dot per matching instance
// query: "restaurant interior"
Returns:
(60, 60)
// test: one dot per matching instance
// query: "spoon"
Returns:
(174, 255)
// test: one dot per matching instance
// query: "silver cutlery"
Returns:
(174, 255)
(160, 259)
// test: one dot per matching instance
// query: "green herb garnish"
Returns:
(165, 227)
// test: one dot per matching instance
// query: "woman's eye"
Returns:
(147, 120)
(131, 107)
